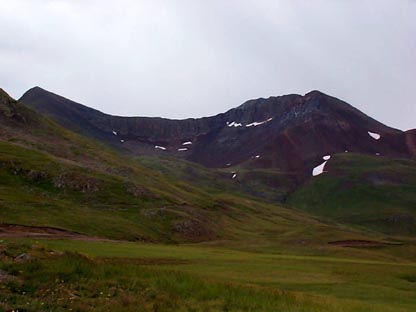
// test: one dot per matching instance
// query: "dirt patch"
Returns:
(361, 243)
(19, 231)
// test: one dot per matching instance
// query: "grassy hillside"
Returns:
(52, 177)
(269, 185)
(372, 192)
(39, 189)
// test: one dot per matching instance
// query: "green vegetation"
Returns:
(117, 198)
(370, 192)
(270, 185)
(105, 276)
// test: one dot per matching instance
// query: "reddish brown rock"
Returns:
(290, 133)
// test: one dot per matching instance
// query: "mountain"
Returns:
(261, 153)
(268, 148)
(288, 133)
(56, 182)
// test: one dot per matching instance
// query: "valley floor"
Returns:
(79, 275)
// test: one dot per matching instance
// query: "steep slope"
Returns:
(287, 133)
(54, 178)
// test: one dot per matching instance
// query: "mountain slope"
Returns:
(267, 148)
(54, 178)
(288, 133)
(372, 192)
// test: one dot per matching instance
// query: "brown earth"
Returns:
(20, 231)
(360, 243)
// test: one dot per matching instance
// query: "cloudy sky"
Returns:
(192, 58)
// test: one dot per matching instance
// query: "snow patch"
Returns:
(319, 169)
(253, 124)
(234, 175)
(228, 164)
(182, 149)
(374, 135)
(122, 141)
(160, 147)
(257, 156)
(114, 132)
(187, 143)
(258, 123)
(377, 154)
(234, 124)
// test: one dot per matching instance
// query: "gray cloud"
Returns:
(188, 58)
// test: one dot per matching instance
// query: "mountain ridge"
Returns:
(313, 93)
(289, 132)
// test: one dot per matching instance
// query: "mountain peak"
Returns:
(35, 90)
(315, 93)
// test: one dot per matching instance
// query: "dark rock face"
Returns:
(411, 141)
(290, 132)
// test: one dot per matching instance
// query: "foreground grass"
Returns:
(107, 276)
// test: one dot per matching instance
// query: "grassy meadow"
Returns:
(124, 276)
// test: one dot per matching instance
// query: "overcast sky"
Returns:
(193, 58)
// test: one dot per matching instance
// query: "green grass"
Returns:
(40, 189)
(269, 185)
(370, 192)
(128, 276)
